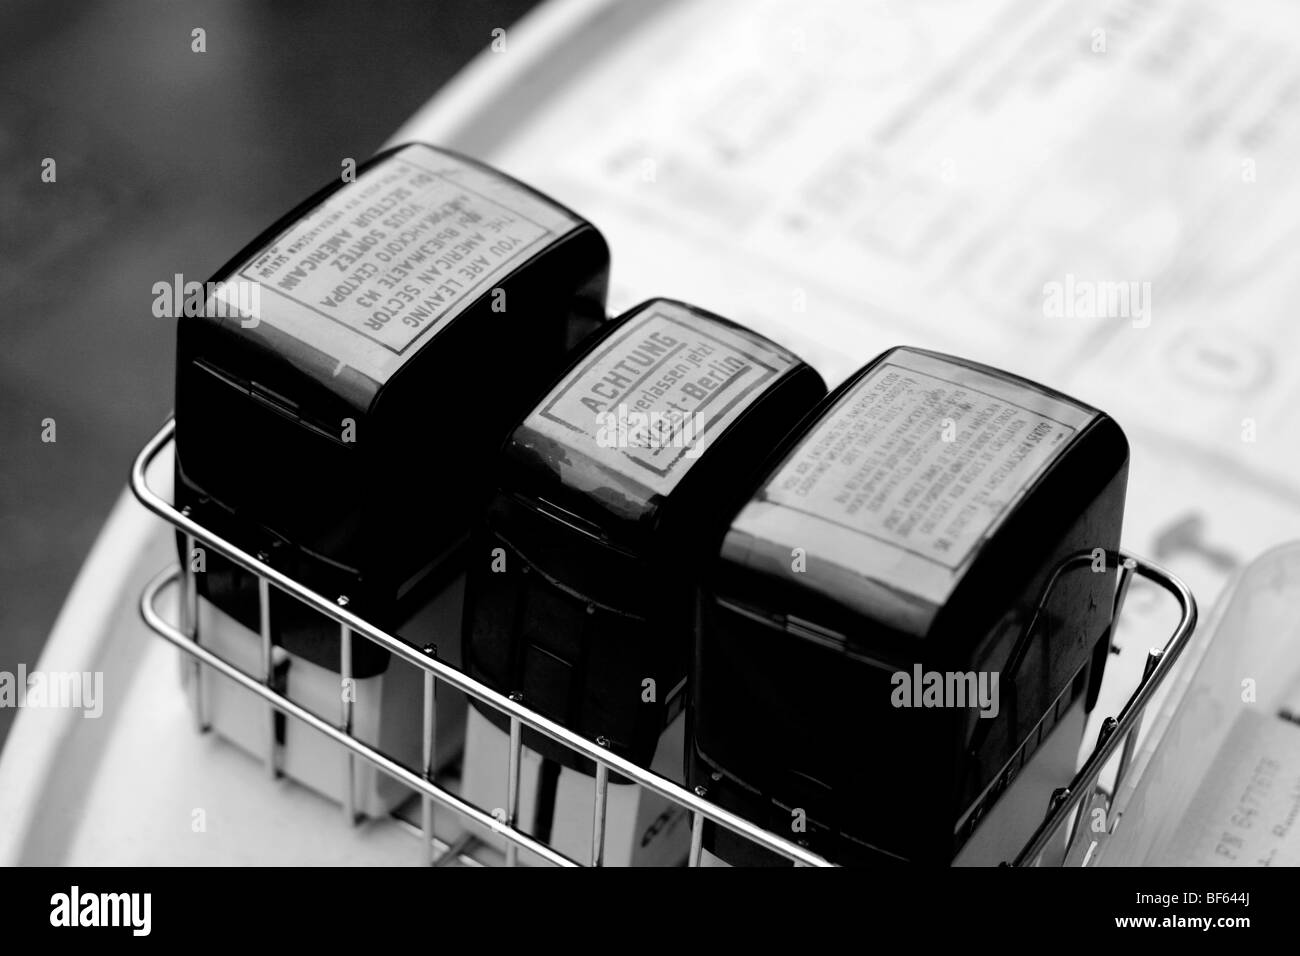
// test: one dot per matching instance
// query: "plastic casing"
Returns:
(597, 591)
(259, 455)
(791, 710)
(1253, 634)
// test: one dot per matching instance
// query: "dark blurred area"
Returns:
(168, 161)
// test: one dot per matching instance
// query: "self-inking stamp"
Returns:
(407, 319)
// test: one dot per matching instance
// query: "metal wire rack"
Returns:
(1117, 733)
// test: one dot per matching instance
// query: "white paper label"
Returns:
(919, 462)
(654, 396)
(388, 260)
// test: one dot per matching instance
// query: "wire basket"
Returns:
(1117, 733)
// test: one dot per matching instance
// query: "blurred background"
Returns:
(167, 162)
